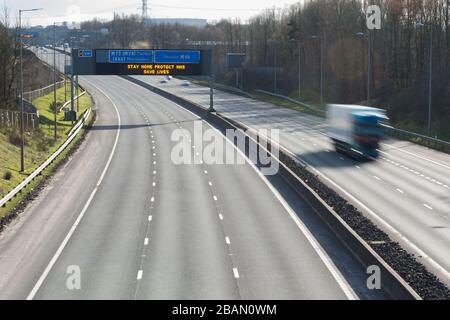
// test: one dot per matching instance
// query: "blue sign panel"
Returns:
(85, 53)
(130, 56)
(180, 56)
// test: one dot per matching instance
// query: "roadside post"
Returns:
(211, 94)
(72, 105)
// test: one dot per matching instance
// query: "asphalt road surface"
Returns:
(138, 226)
(406, 192)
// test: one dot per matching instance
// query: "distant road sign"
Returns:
(85, 53)
(130, 56)
(235, 60)
(178, 56)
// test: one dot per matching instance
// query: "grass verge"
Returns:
(40, 144)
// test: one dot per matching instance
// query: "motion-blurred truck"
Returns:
(355, 130)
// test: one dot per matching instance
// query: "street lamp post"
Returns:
(54, 80)
(299, 71)
(299, 67)
(22, 129)
(274, 43)
(369, 63)
(321, 65)
(275, 68)
(430, 76)
(430, 80)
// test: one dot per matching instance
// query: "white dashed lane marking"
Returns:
(439, 183)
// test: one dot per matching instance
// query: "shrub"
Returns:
(7, 175)
(52, 106)
(14, 138)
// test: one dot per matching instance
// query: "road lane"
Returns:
(28, 243)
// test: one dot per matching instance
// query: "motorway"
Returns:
(138, 226)
(406, 192)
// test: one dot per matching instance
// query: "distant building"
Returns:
(200, 23)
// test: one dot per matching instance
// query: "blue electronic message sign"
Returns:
(130, 56)
(177, 56)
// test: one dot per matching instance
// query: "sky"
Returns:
(80, 10)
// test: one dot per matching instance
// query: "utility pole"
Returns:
(144, 10)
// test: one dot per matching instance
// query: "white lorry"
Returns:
(355, 129)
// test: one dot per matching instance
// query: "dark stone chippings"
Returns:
(414, 273)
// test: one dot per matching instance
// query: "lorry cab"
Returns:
(367, 132)
(355, 130)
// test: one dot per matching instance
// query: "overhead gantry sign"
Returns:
(141, 62)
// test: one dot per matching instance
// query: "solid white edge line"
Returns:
(414, 155)
(83, 211)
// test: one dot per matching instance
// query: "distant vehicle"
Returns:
(164, 80)
(185, 83)
(355, 130)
